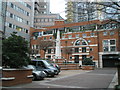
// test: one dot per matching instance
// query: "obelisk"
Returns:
(58, 46)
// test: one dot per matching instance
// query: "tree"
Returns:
(111, 9)
(44, 45)
(15, 51)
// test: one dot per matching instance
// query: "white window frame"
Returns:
(109, 45)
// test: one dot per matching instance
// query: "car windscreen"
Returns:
(47, 63)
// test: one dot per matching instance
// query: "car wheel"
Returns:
(52, 75)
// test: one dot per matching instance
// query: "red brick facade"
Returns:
(88, 43)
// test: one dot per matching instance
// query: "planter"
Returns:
(88, 67)
(12, 77)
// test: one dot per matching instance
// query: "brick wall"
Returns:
(20, 77)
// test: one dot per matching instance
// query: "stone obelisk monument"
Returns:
(58, 46)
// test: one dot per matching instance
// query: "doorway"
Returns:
(76, 59)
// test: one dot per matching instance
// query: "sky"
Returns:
(58, 6)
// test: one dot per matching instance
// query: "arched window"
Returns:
(80, 42)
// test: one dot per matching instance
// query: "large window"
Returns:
(83, 49)
(80, 42)
(49, 51)
(76, 50)
(109, 45)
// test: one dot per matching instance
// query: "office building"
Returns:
(45, 20)
(18, 18)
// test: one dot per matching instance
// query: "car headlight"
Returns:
(43, 72)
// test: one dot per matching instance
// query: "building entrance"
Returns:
(110, 60)
(76, 59)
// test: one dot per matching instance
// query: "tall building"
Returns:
(86, 11)
(2, 17)
(45, 20)
(42, 7)
(42, 15)
(18, 17)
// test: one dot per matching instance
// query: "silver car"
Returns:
(37, 74)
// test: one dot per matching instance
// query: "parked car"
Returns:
(49, 72)
(56, 66)
(46, 65)
(37, 74)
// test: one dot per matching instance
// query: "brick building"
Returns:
(91, 39)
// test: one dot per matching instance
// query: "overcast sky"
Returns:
(58, 6)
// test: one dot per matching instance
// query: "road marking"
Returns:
(61, 86)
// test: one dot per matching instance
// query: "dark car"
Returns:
(49, 72)
(37, 74)
(56, 66)
(45, 64)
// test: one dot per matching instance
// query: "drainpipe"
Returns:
(98, 45)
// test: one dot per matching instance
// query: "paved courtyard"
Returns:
(99, 78)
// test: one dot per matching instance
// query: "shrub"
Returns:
(15, 52)
(87, 61)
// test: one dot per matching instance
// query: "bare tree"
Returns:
(111, 9)
(44, 45)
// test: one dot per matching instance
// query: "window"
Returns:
(105, 42)
(37, 46)
(83, 49)
(39, 34)
(69, 36)
(112, 48)
(83, 57)
(80, 42)
(92, 34)
(76, 50)
(89, 41)
(29, 6)
(105, 33)
(18, 28)
(49, 51)
(91, 57)
(50, 38)
(11, 15)
(106, 48)
(77, 35)
(44, 38)
(26, 31)
(91, 49)
(28, 14)
(70, 57)
(109, 45)
(112, 33)
(10, 25)
(112, 42)
(84, 35)
(84, 43)
(12, 5)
